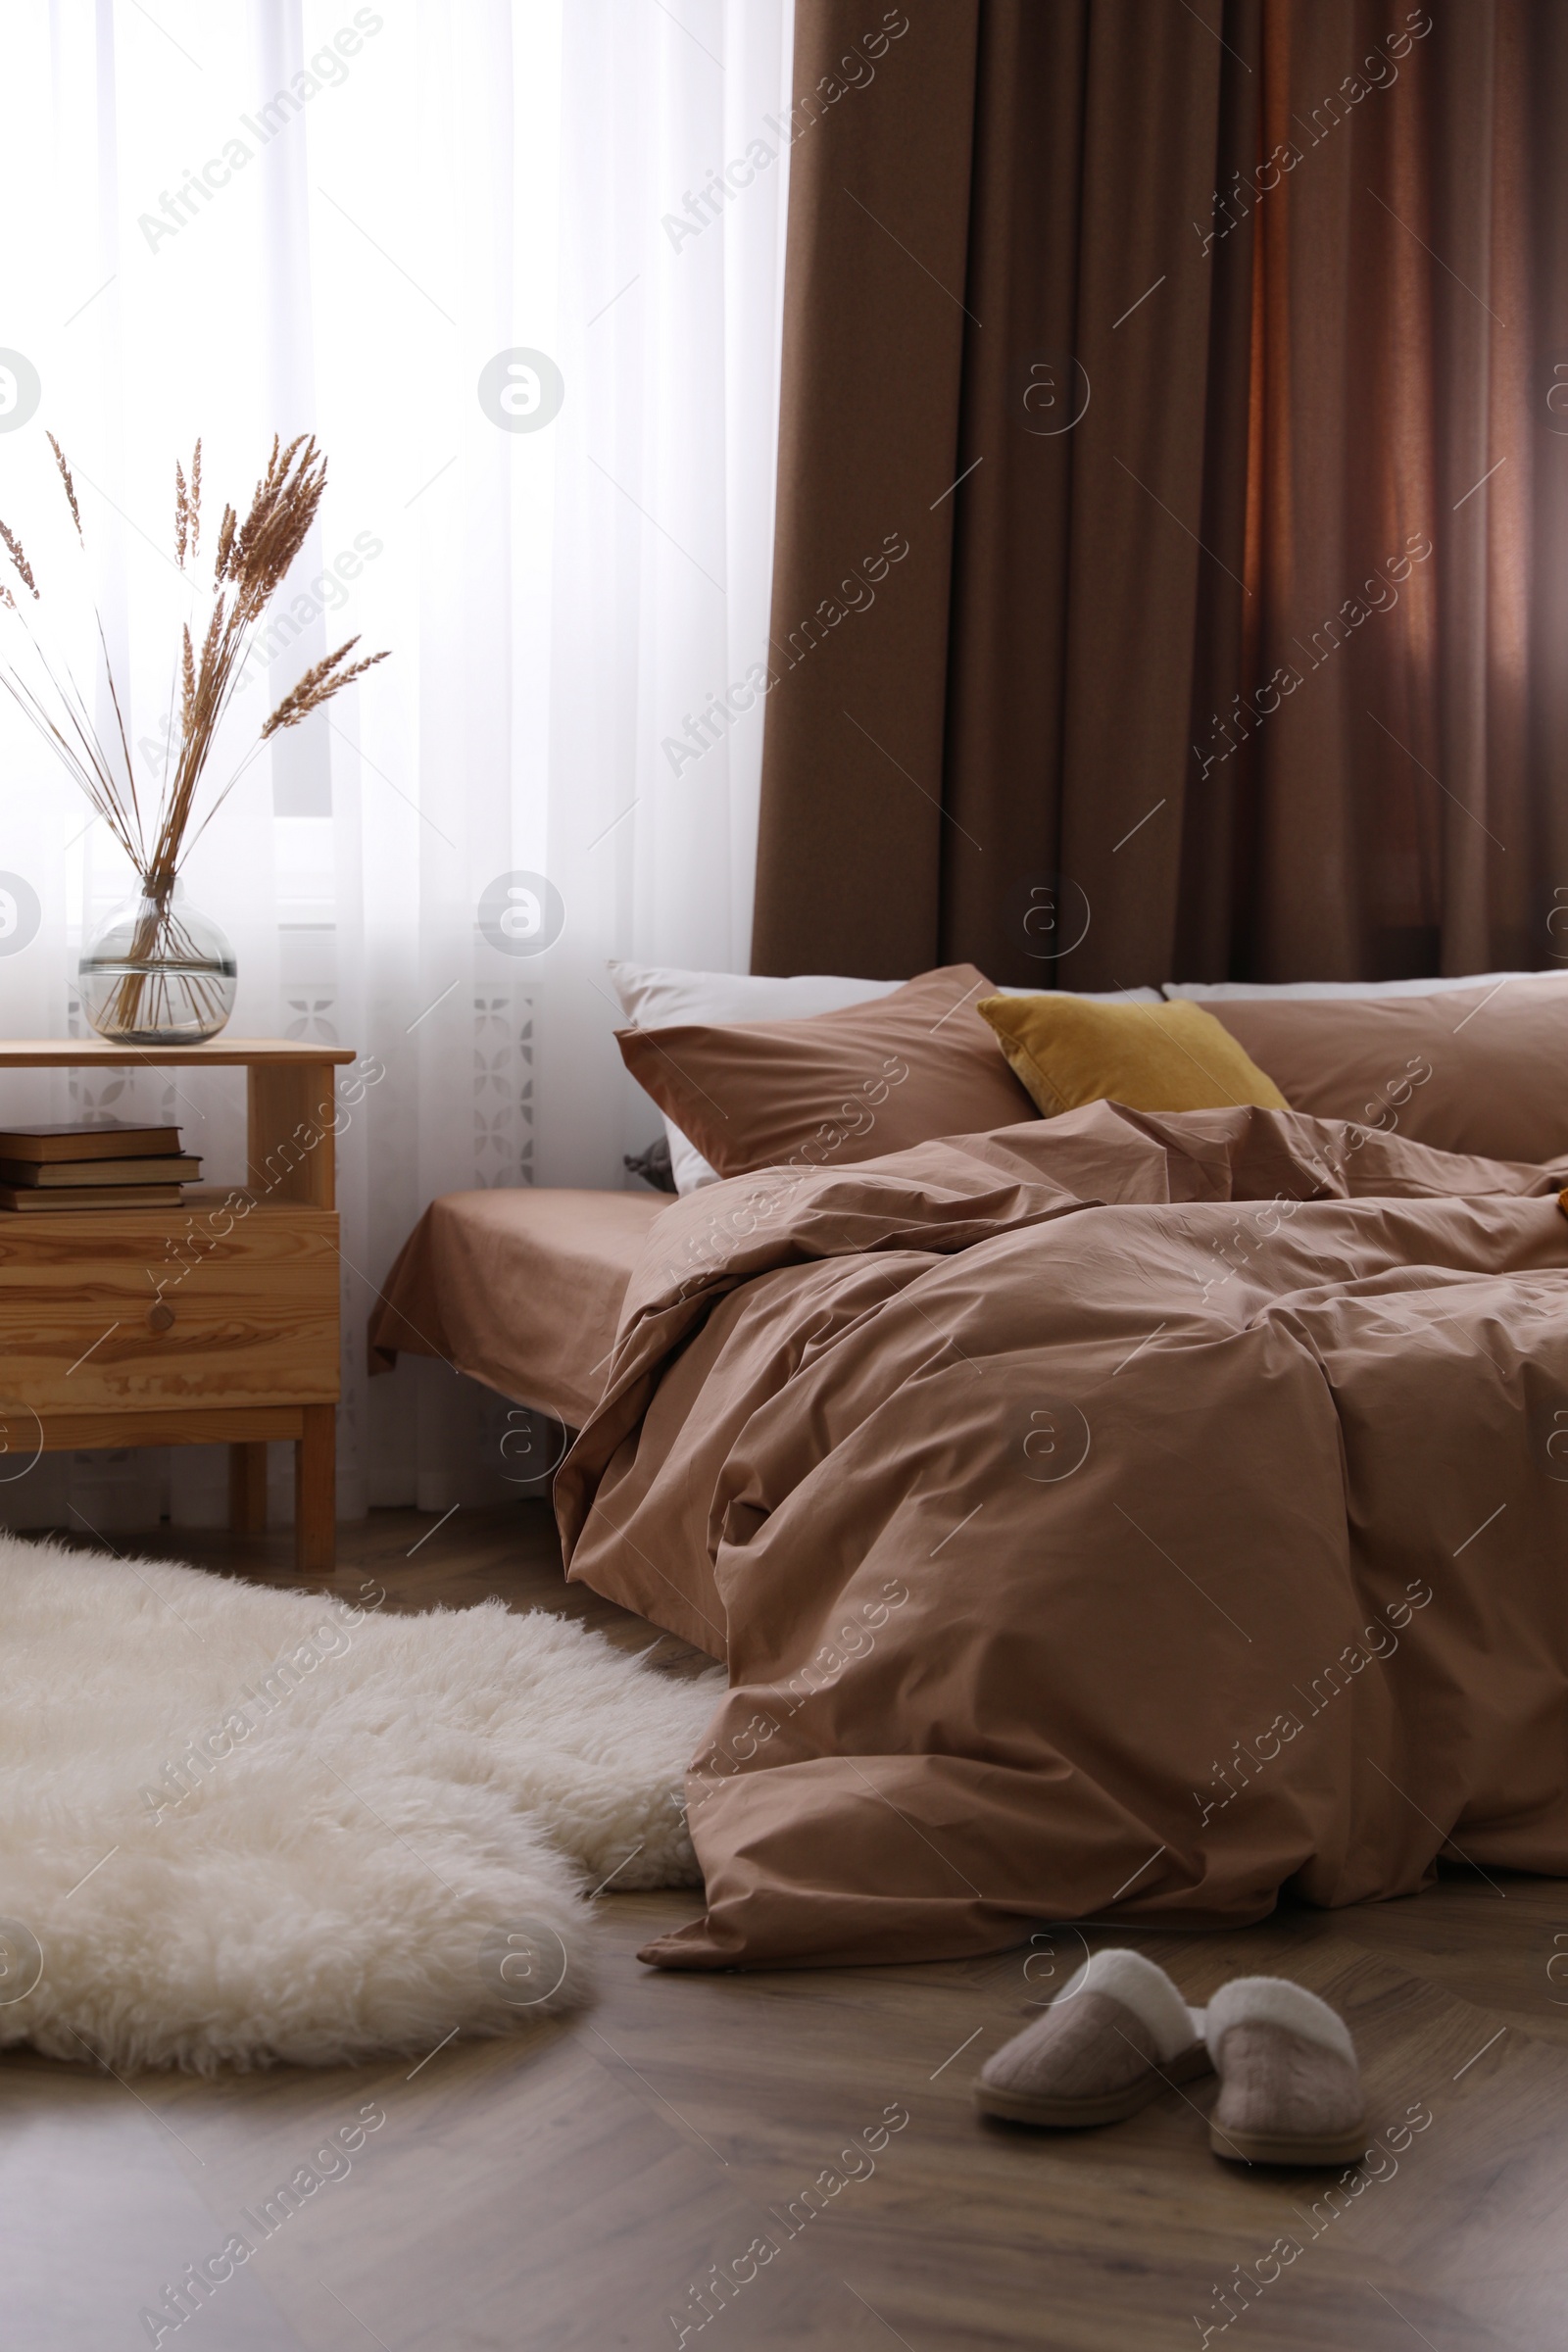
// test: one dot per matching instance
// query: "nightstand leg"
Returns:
(247, 1489)
(316, 1492)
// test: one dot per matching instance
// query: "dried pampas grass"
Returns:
(251, 561)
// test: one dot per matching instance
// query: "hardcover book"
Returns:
(91, 1196)
(49, 1174)
(103, 1138)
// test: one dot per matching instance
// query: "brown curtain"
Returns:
(1171, 573)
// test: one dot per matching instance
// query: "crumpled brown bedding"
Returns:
(1109, 1516)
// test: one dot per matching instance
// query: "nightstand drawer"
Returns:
(97, 1314)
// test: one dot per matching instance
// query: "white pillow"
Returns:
(658, 996)
(1091, 995)
(1198, 992)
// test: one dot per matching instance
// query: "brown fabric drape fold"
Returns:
(850, 835)
(1201, 360)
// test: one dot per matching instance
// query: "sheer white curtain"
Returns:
(412, 229)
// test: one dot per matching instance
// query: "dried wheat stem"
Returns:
(19, 561)
(65, 477)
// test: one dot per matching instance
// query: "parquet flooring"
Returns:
(597, 2182)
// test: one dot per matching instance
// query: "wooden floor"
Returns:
(577, 2186)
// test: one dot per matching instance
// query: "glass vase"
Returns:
(158, 972)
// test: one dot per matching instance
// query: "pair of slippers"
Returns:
(1119, 2034)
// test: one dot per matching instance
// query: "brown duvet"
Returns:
(1109, 1516)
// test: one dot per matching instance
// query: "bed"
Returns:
(518, 1288)
(1115, 1516)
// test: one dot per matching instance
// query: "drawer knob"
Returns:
(160, 1317)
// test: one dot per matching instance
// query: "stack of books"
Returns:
(109, 1164)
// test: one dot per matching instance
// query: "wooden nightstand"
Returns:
(213, 1323)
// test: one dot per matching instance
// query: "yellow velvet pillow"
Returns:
(1068, 1051)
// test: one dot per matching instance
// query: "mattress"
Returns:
(517, 1288)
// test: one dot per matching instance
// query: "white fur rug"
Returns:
(239, 1825)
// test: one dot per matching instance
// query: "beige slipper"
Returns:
(1290, 2086)
(1113, 2038)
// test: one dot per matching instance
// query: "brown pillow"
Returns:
(837, 1086)
(1482, 1071)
